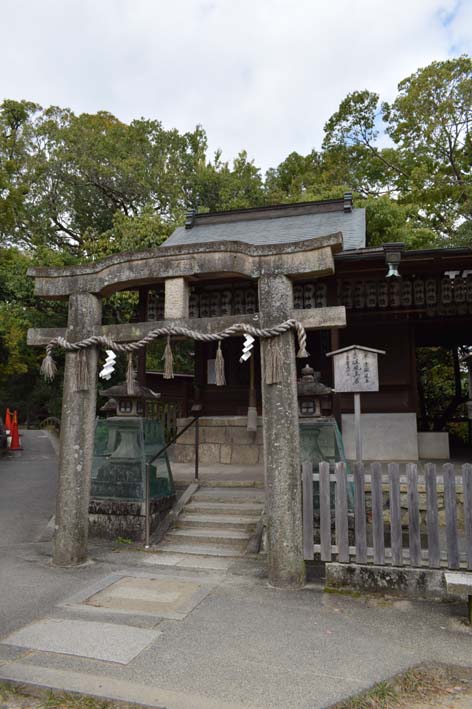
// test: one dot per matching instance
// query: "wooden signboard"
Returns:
(356, 370)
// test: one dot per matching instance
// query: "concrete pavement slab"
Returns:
(100, 641)
(9, 653)
(109, 688)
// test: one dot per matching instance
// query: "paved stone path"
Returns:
(122, 628)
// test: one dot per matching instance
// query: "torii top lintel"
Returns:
(310, 257)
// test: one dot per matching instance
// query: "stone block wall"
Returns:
(222, 440)
(422, 504)
(110, 519)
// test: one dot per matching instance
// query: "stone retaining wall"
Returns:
(222, 440)
(422, 504)
(422, 583)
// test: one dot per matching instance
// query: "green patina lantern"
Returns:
(311, 392)
(320, 438)
(125, 445)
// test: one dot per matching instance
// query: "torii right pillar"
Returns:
(282, 443)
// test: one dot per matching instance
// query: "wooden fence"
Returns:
(358, 516)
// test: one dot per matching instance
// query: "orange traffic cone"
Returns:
(15, 434)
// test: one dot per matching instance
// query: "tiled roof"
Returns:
(277, 229)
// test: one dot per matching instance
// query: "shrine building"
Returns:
(427, 303)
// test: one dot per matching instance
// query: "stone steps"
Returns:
(246, 509)
(213, 529)
(234, 538)
(223, 521)
(230, 495)
(199, 549)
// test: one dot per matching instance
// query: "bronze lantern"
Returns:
(310, 393)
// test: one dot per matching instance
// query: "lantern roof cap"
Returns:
(110, 405)
(120, 391)
(355, 347)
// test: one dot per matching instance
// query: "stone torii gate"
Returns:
(275, 267)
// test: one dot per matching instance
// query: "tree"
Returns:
(427, 169)
(219, 187)
(16, 140)
(430, 121)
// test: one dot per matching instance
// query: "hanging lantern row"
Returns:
(273, 355)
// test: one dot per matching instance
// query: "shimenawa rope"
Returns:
(273, 355)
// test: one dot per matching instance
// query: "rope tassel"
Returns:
(168, 361)
(269, 363)
(277, 361)
(82, 378)
(82, 372)
(273, 362)
(130, 375)
(220, 367)
(48, 367)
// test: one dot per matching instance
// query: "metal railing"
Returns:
(52, 423)
(196, 421)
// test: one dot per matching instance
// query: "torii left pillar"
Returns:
(77, 434)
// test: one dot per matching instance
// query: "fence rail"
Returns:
(358, 516)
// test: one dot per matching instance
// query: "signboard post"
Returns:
(356, 370)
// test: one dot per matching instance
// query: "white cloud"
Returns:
(263, 75)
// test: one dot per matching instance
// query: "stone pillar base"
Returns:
(110, 519)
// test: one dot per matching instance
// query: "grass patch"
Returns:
(418, 685)
(74, 701)
(8, 690)
(124, 540)
(19, 697)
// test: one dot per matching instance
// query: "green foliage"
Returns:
(428, 167)
(443, 389)
(182, 351)
(389, 220)
(219, 187)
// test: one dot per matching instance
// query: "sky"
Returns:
(260, 75)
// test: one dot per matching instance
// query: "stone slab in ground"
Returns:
(99, 641)
(163, 597)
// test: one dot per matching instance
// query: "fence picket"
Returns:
(395, 515)
(359, 514)
(342, 534)
(467, 490)
(308, 531)
(325, 513)
(394, 554)
(449, 477)
(434, 553)
(413, 515)
(377, 514)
